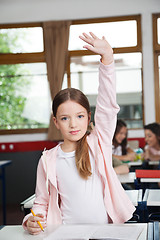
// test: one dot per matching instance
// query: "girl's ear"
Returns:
(89, 117)
(55, 122)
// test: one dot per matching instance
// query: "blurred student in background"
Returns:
(152, 138)
(152, 148)
(120, 148)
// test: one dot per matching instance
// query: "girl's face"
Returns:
(151, 138)
(121, 135)
(72, 120)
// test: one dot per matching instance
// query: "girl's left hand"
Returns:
(131, 156)
(99, 46)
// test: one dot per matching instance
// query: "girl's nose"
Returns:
(146, 139)
(72, 122)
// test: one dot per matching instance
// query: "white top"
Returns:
(81, 200)
(152, 150)
(117, 150)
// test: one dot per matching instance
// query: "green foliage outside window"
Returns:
(11, 102)
(13, 82)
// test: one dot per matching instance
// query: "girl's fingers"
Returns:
(87, 40)
(89, 47)
(39, 217)
(34, 228)
(93, 35)
(34, 231)
(32, 225)
(86, 35)
(36, 218)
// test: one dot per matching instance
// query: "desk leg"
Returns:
(4, 196)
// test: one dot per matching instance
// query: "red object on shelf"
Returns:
(140, 173)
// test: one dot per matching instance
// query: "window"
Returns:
(113, 31)
(21, 40)
(156, 48)
(24, 92)
(83, 65)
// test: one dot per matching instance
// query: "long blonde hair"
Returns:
(82, 154)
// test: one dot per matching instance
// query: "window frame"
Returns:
(156, 54)
(20, 58)
(137, 48)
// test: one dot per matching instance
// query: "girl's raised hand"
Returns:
(99, 46)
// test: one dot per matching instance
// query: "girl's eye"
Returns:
(80, 116)
(64, 118)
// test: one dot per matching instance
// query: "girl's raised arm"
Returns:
(99, 46)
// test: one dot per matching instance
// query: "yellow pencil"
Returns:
(37, 221)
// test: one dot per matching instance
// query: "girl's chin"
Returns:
(151, 145)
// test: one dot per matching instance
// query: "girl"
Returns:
(120, 149)
(152, 138)
(79, 171)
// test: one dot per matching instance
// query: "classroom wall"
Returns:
(21, 174)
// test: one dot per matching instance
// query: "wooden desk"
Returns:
(18, 233)
(3, 164)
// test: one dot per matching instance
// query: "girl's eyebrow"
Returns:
(81, 112)
(63, 115)
(66, 114)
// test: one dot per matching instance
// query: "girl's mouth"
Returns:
(74, 132)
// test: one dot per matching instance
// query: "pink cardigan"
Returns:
(117, 203)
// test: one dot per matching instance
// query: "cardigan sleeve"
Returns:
(118, 205)
(42, 197)
(107, 107)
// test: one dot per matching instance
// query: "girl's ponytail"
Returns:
(82, 158)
